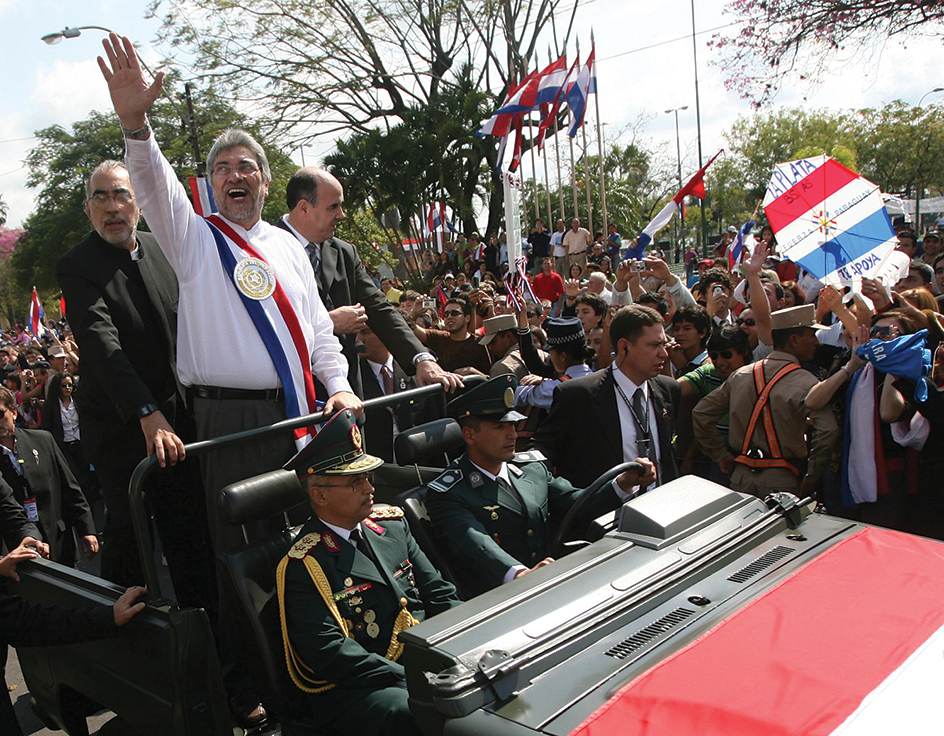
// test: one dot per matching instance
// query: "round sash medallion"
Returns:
(254, 279)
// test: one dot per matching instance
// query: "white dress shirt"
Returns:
(70, 422)
(628, 423)
(217, 343)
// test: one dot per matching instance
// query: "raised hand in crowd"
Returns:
(572, 288)
(130, 94)
(876, 291)
(919, 318)
(937, 371)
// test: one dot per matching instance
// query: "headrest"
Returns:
(433, 438)
(260, 497)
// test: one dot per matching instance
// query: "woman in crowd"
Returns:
(61, 420)
(792, 294)
(728, 349)
(569, 354)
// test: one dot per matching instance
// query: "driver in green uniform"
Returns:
(352, 581)
(490, 508)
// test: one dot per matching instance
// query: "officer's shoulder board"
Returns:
(386, 511)
(531, 456)
(447, 480)
(303, 546)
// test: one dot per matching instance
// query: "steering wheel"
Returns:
(574, 512)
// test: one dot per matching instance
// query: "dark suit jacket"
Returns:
(14, 525)
(582, 435)
(344, 281)
(378, 422)
(126, 329)
(59, 498)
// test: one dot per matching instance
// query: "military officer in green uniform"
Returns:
(490, 508)
(353, 579)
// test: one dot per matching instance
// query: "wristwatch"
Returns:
(147, 410)
(420, 357)
(140, 134)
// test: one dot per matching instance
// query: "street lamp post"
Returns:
(189, 122)
(678, 152)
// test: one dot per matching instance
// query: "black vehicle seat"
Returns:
(430, 442)
(250, 575)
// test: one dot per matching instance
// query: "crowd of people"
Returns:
(758, 378)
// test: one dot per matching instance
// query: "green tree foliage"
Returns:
(62, 160)
(405, 81)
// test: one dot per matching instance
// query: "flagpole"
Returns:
(596, 100)
(573, 174)
(586, 177)
(547, 189)
(704, 220)
(560, 185)
(534, 175)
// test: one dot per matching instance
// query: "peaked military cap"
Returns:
(338, 449)
(494, 400)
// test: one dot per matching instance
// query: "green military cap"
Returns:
(494, 400)
(338, 449)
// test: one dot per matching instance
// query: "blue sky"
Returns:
(43, 85)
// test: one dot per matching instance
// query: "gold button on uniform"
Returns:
(530, 532)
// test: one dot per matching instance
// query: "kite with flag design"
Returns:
(830, 221)
(695, 187)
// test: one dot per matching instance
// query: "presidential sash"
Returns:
(274, 318)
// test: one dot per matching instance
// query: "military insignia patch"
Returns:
(446, 481)
(374, 527)
(330, 542)
(494, 510)
(384, 511)
(509, 397)
(303, 546)
(356, 438)
(532, 456)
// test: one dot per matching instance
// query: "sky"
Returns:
(645, 66)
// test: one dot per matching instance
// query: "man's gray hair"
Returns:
(232, 137)
(107, 165)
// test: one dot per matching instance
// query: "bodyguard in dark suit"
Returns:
(596, 422)
(383, 376)
(121, 302)
(352, 581)
(35, 469)
(315, 198)
(493, 510)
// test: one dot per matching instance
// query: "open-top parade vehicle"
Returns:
(691, 609)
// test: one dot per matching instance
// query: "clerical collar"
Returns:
(137, 253)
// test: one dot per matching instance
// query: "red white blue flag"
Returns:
(36, 316)
(580, 91)
(695, 188)
(743, 246)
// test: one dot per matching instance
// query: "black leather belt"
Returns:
(215, 392)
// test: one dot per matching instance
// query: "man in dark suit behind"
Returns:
(315, 198)
(34, 467)
(600, 420)
(382, 376)
(121, 301)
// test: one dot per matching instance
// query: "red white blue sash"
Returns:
(277, 324)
